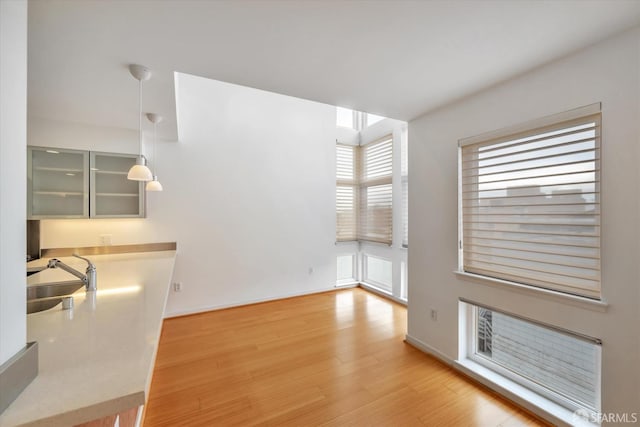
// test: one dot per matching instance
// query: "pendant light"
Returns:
(140, 171)
(154, 185)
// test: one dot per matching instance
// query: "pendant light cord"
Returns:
(140, 117)
(155, 141)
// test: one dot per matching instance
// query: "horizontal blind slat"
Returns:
(536, 145)
(579, 168)
(565, 272)
(570, 187)
(541, 209)
(544, 258)
(473, 158)
(587, 288)
(587, 176)
(538, 247)
(525, 137)
(525, 237)
(516, 228)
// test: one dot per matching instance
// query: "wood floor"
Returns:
(332, 359)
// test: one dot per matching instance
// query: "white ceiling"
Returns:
(394, 58)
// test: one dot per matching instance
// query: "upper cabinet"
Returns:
(65, 183)
(57, 183)
(112, 194)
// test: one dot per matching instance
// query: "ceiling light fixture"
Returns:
(154, 185)
(140, 171)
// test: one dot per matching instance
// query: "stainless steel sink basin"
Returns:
(37, 305)
(46, 296)
(53, 289)
(34, 270)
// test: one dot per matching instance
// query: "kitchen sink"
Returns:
(34, 270)
(41, 304)
(55, 289)
(46, 296)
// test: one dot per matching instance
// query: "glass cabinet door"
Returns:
(112, 194)
(57, 183)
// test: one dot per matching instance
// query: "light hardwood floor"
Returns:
(334, 359)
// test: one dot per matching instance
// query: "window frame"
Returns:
(354, 269)
(379, 286)
(545, 392)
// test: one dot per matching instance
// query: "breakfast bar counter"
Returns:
(97, 358)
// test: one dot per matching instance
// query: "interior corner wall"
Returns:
(13, 165)
(250, 192)
(608, 72)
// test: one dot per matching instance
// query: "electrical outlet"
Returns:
(177, 286)
(434, 315)
(105, 239)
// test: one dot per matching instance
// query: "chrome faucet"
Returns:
(89, 279)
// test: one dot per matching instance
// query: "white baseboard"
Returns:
(426, 348)
(204, 309)
(283, 296)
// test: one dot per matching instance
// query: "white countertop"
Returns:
(96, 359)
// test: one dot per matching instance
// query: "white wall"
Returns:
(252, 187)
(249, 195)
(80, 136)
(609, 73)
(13, 188)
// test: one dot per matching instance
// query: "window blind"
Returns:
(346, 193)
(531, 206)
(404, 171)
(375, 210)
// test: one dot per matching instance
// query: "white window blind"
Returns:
(346, 193)
(531, 205)
(375, 210)
(404, 171)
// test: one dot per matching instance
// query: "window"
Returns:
(346, 269)
(378, 272)
(367, 175)
(357, 120)
(344, 117)
(376, 213)
(372, 119)
(530, 200)
(346, 193)
(557, 364)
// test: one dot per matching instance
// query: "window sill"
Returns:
(532, 401)
(547, 294)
